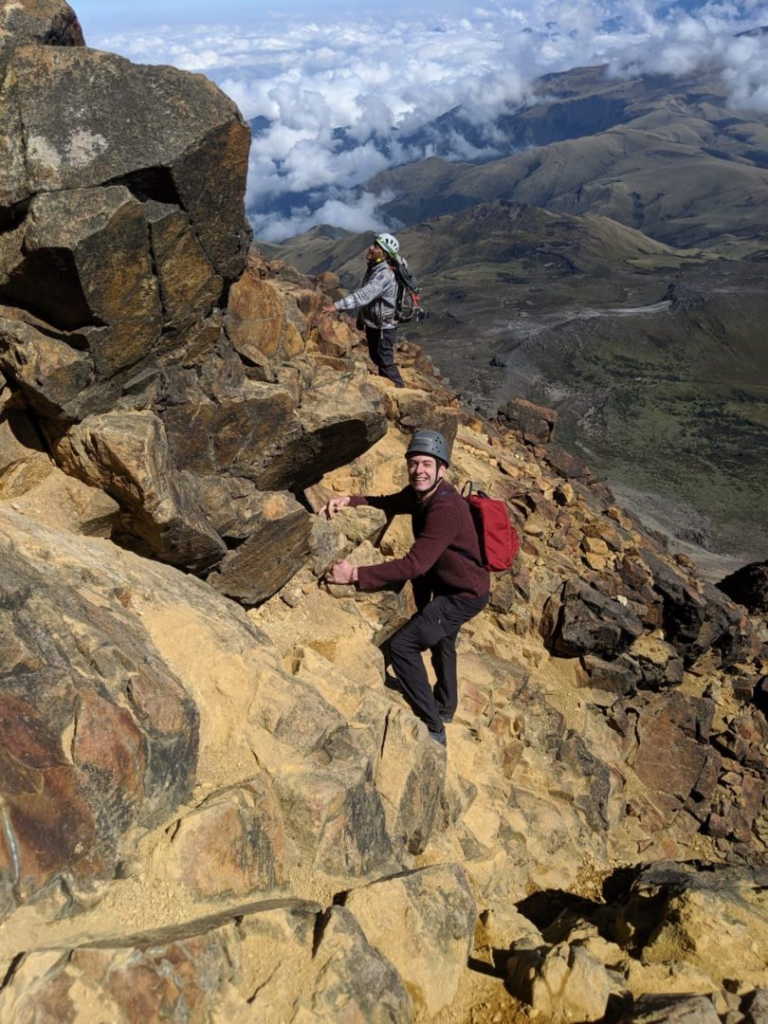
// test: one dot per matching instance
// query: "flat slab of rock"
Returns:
(277, 546)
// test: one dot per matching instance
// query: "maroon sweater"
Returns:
(445, 550)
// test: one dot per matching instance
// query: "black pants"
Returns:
(434, 628)
(381, 349)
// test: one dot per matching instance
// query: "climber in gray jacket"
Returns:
(376, 298)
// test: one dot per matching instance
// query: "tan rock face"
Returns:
(256, 316)
(430, 953)
(566, 982)
(234, 844)
(83, 761)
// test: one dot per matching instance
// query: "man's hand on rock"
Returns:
(332, 506)
(329, 308)
(342, 572)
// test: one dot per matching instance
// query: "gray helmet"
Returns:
(429, 442)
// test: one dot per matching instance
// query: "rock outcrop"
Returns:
(216, 804)
(748, 586)
(123, 236)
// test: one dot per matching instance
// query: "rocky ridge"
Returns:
(215, 807)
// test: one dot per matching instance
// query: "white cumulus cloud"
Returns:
(379, 75)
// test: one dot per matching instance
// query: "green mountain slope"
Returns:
(673, 161)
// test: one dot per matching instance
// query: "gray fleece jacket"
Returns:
(376, 296)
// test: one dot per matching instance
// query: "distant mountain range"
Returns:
(612, 265)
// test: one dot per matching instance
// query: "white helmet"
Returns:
(388, 243)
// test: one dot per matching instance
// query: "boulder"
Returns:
(257, 321)
(188, 284)
(410, 777)
(432, 951)
(126, 454)
(559, 981)
(569, 466)
(339, 421)
(24, 462)
(334, 813)
(47, 22)
(89, 246)
(748, 586)
(622, 675)
(414, 410)
(535, 423)
(696, 619)
(163, 133)
(253, 430)
(275, 962)
(230, 503)
(717, 916)
(671, 757)
(590, 623)
(669, 1009)
(53, 375)
(234, 428)
(756, 1007)
(658, 661)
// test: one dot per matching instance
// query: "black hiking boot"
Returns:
(439, 737)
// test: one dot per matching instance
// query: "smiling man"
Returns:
(450, 584)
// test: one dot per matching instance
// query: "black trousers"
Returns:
(381, 349)
(434, 628)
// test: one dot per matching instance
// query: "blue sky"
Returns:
(382, 68)
(109, 16)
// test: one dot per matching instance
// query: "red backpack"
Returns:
(499, 542)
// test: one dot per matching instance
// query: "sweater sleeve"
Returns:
(393, 504)
(440, 529)
(363, 296)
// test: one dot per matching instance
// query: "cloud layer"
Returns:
(380, 77)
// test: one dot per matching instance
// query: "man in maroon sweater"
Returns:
(450, 584)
